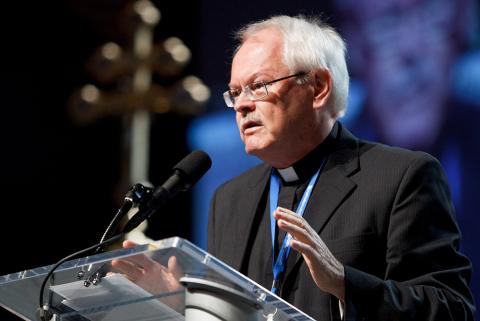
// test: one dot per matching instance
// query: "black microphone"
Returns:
(185, 174)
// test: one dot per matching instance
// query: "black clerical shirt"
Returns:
(258, 265)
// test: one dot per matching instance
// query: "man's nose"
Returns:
(243, 103)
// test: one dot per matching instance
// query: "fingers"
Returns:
(128, 244)
(137, 265)
(132, 271)
(306, 251)
(134, 267)
(174, 267)
(149, 274)
(295, 231)
(289, 216)
(327, 272)
(295, 225)
(141, 260)
(303, 248)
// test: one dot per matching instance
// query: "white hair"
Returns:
(308, 44)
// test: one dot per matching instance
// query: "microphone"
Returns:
(185, 174)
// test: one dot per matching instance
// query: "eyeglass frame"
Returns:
(230, 100)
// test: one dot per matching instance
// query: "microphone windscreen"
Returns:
(194, 166)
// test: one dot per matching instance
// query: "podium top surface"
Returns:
(116, 297)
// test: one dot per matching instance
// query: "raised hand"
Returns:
(327, 272)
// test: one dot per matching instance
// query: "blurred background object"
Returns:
(134, 96)
(415, 68)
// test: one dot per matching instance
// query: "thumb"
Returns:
(128, 244)
(174, 267)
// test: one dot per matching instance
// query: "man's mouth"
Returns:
(250, 126)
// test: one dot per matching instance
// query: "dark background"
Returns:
(60, 181)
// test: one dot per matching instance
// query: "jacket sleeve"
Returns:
(426, 278)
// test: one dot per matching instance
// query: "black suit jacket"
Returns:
(385, 213)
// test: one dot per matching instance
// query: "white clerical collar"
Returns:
(288, 174)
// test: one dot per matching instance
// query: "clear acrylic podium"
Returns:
(211, 290)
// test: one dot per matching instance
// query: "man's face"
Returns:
(276, 123)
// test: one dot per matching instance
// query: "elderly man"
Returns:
(339, 227)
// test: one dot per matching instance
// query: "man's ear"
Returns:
(322, 82)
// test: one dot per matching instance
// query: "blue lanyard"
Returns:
(280, 262)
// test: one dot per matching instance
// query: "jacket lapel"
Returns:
(332, 188)
(250, 203)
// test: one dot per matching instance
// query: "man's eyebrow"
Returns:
(253, 76)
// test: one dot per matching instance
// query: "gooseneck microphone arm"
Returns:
(136, 196)
(44, 311)
(144, 213)
(186, 173)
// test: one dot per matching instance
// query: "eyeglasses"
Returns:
(254, 91)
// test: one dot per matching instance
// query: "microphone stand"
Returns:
(138, 195)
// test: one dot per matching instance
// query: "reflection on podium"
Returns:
(208, 290)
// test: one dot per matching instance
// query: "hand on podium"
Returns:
(153, 276)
